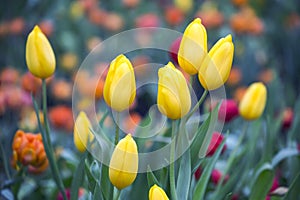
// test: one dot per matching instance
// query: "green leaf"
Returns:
(263, 182)
(106, 186)
(97, 195)
(293, 192)
(26, 188)
(78, 177)
(283, 154)
(201, 140)
(201, 186)
(184, 176)
(92, 181)
(163, 177)
(151, 178)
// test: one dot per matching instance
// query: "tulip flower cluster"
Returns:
(28, 150)
(213, 68)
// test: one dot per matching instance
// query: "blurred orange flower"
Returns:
(113, 22)
(9, 76)
(246, 21)
(173, 15)
(28, 149)
(147, 20)
(235, 77)
(61, 89)
(210, 18)
(131, 122)
(17, 25)
(30, 83)
(266, 76)
(69, 61)
(46, 27)
(99, 88)
(239, 2)
(61, 117)
(239, 93)
(130, 3)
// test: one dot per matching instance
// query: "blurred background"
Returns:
(265, 33)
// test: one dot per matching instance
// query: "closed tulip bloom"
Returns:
(82, 132)
(216, 66)
(119, 87)
(253, 102)
(173, 97)
(157, 193)
(123, 165)
(40, 57)
(193, 47)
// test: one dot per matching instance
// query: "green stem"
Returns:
(233, 155)
(45, 111)
(117, 194)
(45, 131)
(197, 105)
(172, 162)
(5, 163)
(117, 128)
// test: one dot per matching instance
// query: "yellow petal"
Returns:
(119, 87)
(157, 193)
(40, 57)
(82, 132)
(253, 102)
(173, 97)
(124, 163)
(193, 47)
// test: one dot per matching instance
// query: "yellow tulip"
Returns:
(173, 97)
(253, 102)
(193, 47)
(184, 5)
(82, 132)
(216, 66)
(123, 165)
(40, 57)
(156, 193)
(119, 87)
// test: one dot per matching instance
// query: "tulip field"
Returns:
(158, 100)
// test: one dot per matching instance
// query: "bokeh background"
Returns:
(266, 35)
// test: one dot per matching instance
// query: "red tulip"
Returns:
(228, 110)
(216, 176)
(173, 51)
(288, 116)
(215, 142)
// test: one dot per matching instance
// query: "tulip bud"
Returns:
(216, 176)
(157, 193)
(193, 47)
(253, 102)
(82, 132)
(228, 110)
(216, 66)
(288, 116)
(119, 86)
(215, 142)
(123, 165)
(40, 57)
(173, 97)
